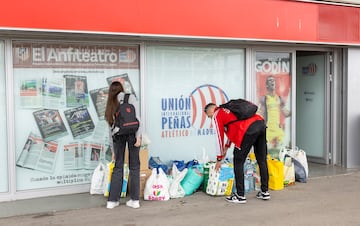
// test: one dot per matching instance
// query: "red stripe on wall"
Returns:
(247, 19)
(341, 24)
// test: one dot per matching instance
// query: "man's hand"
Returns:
(217, 166)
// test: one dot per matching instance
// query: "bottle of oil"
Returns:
(256, 171)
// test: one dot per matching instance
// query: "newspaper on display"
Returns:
(101, 131)
(50, 124)
(124, 80)
(53, 93)
(73, 156)
(80, 122)
(83, 155)
(44, 92)
(76, 91)
(101, 135)
(30, 93)
(99, 99)
(37, 154)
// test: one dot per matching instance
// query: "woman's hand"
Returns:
(138, 142)
(113, 156)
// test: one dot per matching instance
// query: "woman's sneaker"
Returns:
(263, 195)
(133, 203)
(234, 198)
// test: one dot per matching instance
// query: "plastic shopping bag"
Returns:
(155, 162)
(157, 186)
(289, 171)
(109, 170)
(108, 173)
(193, 179)
(98, 180)
(220, 182)
(176, 190)
(276, 174)
(300, 172)
(300, 156)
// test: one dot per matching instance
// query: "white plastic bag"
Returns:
(204, 158)
(157, 186)
(145, 141)
(298, 154)
(98, 180)
(176, 190)
(289, 171)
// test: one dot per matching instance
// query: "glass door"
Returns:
(311, 105)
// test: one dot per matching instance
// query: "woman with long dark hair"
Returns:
(118, 145)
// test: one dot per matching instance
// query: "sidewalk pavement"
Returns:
(328, 200)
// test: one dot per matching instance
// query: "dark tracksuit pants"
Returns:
(118, 172)
(254, 136)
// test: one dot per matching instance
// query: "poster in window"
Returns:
(273, 93)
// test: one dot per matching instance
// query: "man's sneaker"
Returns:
(234, 198)
(133, 203)
(263, 195)
(112, 205)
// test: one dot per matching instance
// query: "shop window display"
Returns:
(180, 81)
(60, 95)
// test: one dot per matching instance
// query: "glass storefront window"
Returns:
(273, 84)
(60, 93)
(4, 182)
(180, 81)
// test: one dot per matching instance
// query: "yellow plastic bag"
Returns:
(276, 174)
(109, 171)
(110, 167)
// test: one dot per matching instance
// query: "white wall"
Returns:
(353, 109)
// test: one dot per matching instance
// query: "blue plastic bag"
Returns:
(180, 164)
(155, 162)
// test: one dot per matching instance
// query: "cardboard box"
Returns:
(143, 156)
(144, 175)
(144, 159)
